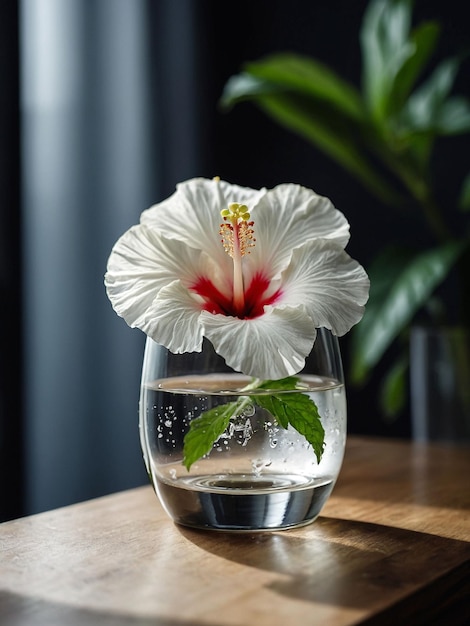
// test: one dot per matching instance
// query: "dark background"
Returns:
(187, 51)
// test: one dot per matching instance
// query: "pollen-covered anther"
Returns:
(245, 237)
(226, 232)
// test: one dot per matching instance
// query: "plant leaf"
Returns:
(425, 110)
(205, 430)
(386, 48)
(244, 86)
(408, 292)
(382, 274)
(454, 117)
(307, 76)
(392, 392)
(298, 410)
(424, 40)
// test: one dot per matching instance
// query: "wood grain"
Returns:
(392, 546)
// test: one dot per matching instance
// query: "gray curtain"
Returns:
(103, 137)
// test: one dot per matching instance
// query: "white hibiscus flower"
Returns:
(256, 272)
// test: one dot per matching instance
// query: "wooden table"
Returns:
(392, 546)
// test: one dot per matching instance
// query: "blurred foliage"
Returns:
(383, 133)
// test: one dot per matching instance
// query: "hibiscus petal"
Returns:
(332, 286)
(288, 216)
(141, 263)
(271, 346)
(172, 320)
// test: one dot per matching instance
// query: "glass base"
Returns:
(240, 502)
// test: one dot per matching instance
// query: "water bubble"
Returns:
(249, 411)
(167, 423)
(172, 473)
(273, 443)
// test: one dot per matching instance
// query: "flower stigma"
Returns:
(237, 239)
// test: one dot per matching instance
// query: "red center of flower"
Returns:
(254, 302)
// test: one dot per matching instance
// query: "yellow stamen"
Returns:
(237, 238)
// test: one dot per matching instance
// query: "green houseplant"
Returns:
(384, 133)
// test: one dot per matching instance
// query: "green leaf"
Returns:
(307, 76)
(243, 87)
(392, 392)
(382, 273)
(386, 47)
(424, 40)
(393, 56)
(454, 117)
(408, 292)
(298, 410)
(205, 430)
(429, 110)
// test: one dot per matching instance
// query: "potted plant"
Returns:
(385, 134)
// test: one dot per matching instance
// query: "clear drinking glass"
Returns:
(258, 475)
